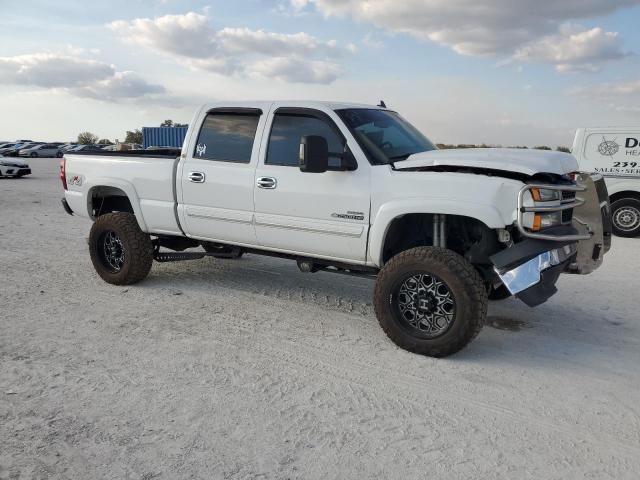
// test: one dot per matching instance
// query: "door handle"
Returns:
(196, 177)
(267, 182)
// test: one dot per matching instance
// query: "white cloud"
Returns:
(186, 35)
(294, 70)
(245, 41)
(190, 39)
(78, 76)
(626, 89)
(471, 27)
(120, 85)
(621, 97)
(51, 71)
(574, 49)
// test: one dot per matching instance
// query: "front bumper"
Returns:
(534, 281)
(530, 268)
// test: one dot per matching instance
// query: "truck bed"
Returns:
(146, 177)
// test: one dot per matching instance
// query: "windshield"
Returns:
(384, 136)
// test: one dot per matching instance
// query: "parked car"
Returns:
(44, 150)
(85, 148)
(350, 189)
(67, 146)
(15, 150)
(8, 146)
(614, 153)
(13, 167)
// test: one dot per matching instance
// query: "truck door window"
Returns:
(227, 137)
(286, 132)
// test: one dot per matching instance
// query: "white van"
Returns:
(615, 153)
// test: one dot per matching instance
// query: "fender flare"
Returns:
(126, 187)
(487, 214)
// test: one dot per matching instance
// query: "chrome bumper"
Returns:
(530, 273)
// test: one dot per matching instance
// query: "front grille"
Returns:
(567, 215)
(568, 203)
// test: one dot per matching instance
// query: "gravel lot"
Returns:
(249, 369)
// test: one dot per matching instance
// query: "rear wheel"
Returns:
(121, 253)
(430, 301)
(625, 214)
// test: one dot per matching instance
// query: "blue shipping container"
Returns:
(163, 136)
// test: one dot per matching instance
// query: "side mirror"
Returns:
(314, 154)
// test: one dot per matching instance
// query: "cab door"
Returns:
(322, 215)
(215, 199)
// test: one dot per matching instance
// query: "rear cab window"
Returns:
(227, 136)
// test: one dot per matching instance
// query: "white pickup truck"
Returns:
(351, 189)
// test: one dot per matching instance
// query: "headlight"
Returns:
(540, 197)
(543, 195)
(546, 220)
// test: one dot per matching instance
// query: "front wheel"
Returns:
(430, 301)
(33, 155)
(121, 253)
(625, 215)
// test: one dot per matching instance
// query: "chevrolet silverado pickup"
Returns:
(350, 189)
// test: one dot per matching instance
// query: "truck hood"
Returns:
(527, 162)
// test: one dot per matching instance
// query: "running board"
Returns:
(177, 256)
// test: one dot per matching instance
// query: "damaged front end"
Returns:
(530, 268)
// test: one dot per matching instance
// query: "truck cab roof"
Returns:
(266, 104)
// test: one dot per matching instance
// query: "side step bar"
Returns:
(177, 256)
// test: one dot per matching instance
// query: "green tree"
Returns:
(542, 147)
(563, 149)
(171, 123)
(133, 136)
(87, 138)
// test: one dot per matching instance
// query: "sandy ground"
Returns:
(249, 369)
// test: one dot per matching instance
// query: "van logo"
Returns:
(608, 148)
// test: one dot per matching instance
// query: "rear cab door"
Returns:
(216, 173)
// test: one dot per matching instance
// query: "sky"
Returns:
(502, 72)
